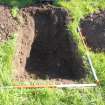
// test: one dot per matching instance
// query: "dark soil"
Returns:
(45, 48)
(93, 28)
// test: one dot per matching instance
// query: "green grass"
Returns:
(91, 96)
(6, 57)
(19, 3)
(14, 11)
(51, 97)
(99, 64)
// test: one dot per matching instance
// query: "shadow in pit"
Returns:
(54, 53)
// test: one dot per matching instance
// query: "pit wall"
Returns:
(45, 42)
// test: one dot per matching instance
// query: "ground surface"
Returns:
(81, 96)
(93, 27)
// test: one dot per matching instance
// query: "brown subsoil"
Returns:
(45, 48)
(93, 28)
(8, 25)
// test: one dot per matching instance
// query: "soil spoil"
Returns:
(93, 28)
(8, 25)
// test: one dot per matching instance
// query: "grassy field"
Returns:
(91, 96)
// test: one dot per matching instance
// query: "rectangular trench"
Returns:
(46, 49)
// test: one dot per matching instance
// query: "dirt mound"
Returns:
(8, 25)
(45, 48)
(93, 28)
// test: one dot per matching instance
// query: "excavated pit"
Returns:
(93, 28)
(45, 48)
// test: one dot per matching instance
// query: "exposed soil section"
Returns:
(45, 48)
(93, 27)
(8, 25)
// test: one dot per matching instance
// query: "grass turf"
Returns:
(91, 96)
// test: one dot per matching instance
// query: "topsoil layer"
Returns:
(45, 48)
(93, 28)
